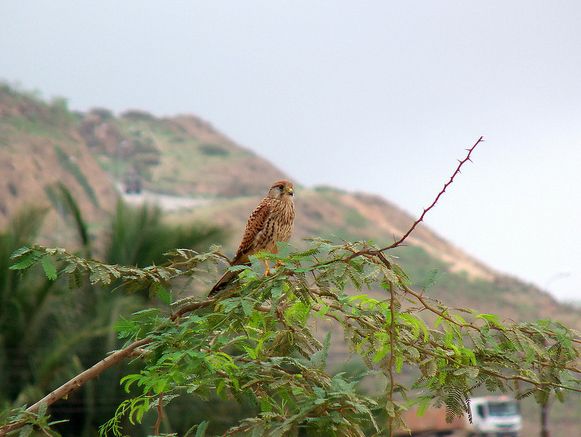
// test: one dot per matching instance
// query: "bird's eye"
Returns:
(280, 187)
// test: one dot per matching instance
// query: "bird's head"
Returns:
(282, 189)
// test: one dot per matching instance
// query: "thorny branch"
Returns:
(446, 185)
(376, 252)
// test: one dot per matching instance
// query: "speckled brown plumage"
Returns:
(271, 222)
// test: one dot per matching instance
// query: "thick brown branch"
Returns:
(78, 381)
(107, 362)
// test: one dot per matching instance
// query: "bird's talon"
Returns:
(266, 268)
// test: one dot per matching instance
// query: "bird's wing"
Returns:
(255, 224)
(222, 283)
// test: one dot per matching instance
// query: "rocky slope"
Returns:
(40, 147)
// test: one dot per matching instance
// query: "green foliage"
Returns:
(35, 116)
(32, 126)
(48, 333)
(214, 150)
(355, 218)
(23, 301)
(139, 236)
(64, 202)
(39, 421)
(254, 344)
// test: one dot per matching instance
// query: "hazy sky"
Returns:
(378, 96)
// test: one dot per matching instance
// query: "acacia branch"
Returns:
(500, 375)
(446, 185)
(77, 382)
(375, 252)
(463, 325)
(188, 305)
(425, 305)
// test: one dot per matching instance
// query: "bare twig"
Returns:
(374, 252)
(446, 185)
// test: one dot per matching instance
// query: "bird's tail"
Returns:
(223, 282)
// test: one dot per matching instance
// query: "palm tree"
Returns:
(48, 333)
(139, 236)
(24, 308)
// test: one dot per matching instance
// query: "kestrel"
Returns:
(271, 222)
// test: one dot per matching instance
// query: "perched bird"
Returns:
(271, 222)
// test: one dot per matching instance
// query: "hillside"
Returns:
(182, 155)
(40, 146)
(197, 173)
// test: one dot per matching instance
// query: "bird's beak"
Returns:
(290, 191)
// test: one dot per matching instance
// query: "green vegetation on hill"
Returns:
(180, 155)
(41, 146)
(26, 112)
